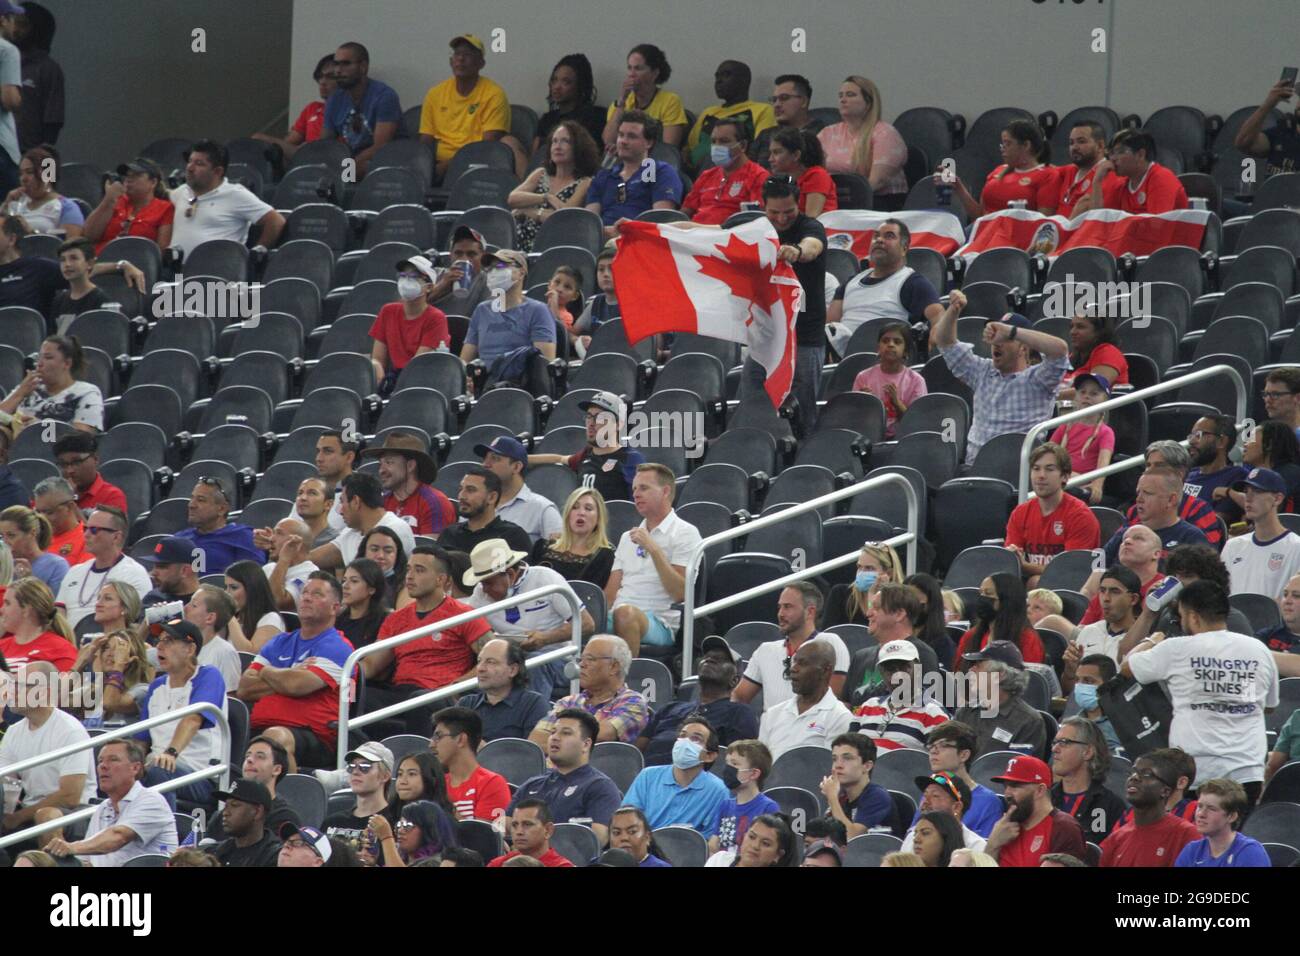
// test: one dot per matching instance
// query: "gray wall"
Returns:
(131, 77)
(965, 55)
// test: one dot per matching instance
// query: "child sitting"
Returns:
(890, 380)
(1090, 441)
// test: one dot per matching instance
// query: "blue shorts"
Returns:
(658, 634)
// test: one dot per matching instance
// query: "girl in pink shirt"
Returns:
(891, 381)
(1090, 441)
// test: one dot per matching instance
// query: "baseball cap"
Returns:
(170, 550)
(1016, 319)
(603, 402)
(1003, 651)
(505, 446)
(250, 791)
(185, 631)
(616, 858)
(7, 8)
(421, 265)
(374, 751)
(469, 38)
(825, 846)
(140, 164)
(1262, 479)
(468, 232)
(509, 256)
(1097, 380)
(714, 642)
(950, 782)
(1025, 769)
(898, 651)
(314, 838)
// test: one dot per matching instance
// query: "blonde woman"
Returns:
(117, 608)
(27, 535)
(971, 858)
(582, 552)
(123, 660)
(33, 626)
(877, 564)
(902, 859)
(865, 144)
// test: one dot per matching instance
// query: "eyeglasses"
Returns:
(622, 191)
(404, 825)
(784, 97)
(1276, 395)
(192, 208)
(213, 483)
(780, 178)
(294, 843)
(67, 464)
(785, 667)
(96, 529)
(940, 747)
(357, 122)
(1199, 434)
(444, 736)
(126, 225)
(1150, 775)
(1061, 742)
(360, 766)
(586, 659)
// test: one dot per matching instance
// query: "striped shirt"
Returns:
(904, 729)
(626, 711)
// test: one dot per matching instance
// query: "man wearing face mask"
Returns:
(1089, 674)
(733, 178)
(683, 793)
(1032, 826)
(410, 327)
(510, 323)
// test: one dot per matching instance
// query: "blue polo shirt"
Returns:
(379, 104)
(584, 793)
(643, 190)
(496, 333)
(666, 803)
(515, 716)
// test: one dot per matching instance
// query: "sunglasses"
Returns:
(192, 208)
(214, 483)
(403, 825)
(622, 191)
(780, 178)
(360, 766)
(945, 781)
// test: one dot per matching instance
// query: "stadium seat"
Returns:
(804, 767)
(1238, 334)
(681, 846)
(165, 518)
(852, 191)
(933, 454)
(265, 512)
(571, 227)
(265, 370)
(512, 408)
(441, 371)
(1153, 336)
(565, 440)
(751, 449)
(422, 408)
(1272, 227)
(276, 332)
(727, 352)
(576, 257)
(984, 135)
(402, 222)
(1069, 569)
(1279, 191)
(844, 534)
(858, 412)
(922, 196)
(695, 371)
(142, 253)
(553, 482)
(103, 329)
(738, 572)
(720, 482)
(387, 186)
(888, 502)
(1180, 265)
(514, 758)
(23, 328)
(1271, 266)
(347, 333)
(305, 795)
(310, 218)
(842, 264)
(32, 471)
(143, 441)
(189, 476)
(346, 370)
(1181, 129)
(378, 262)
(939, 378)
(243, 403)
(798, 804)
(837, 449)
(1260, 609)
(157, 404)
(234, 443)
(797, 538)
(222, 258)
(845, 373)
(969, 511)
(1218, 392)
(330, 405)
(800, 483)
(930, 264)
(609, 372)
(898, 769)
(493, 221)
(928, 128)
(565, 412)
(1274, 822)
(189, 333)
(1006, 266)
(974, 564)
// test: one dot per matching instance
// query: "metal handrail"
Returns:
(571, 649)
(221, 769)
(1173, 384)
(689, 610)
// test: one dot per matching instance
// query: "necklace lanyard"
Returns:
(81, 591)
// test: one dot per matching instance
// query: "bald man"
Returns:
(289, 566)
(814, 716)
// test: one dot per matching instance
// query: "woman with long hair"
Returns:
(571, 95)
(561, 182)
(935, 837)
(420, 776)
(582, 552)
(647, 71)
(1094, 350)
(847, 603)
(123, 660)
(799, 155)
(34, 628)
(364, 608)
(382, 546)
(423, 830)
(137, 204)
(1274, 446)
(36, 200)
(1024, 174)
(28, 534)
(1001, 614)
(933, 626)
(259, 621)
(861, 142)
(54, 391)
(769, 842)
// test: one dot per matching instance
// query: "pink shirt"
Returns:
(909, 384)
(1077, 436)
(887, 148)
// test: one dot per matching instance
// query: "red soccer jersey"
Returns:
(715, 196)
(1057, 833)
(1159, 190)
(1031, 647)
(48, 646)
(1070, 526)
(311, 121)
(433, 660)
(1155, 845)
(1071, 187)
(816, 179)
(549, 858)
(1037, 186)
(427, 511)
(404, 337)
(101, 492)
(483, 796)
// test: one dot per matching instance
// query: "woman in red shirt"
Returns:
(1093, 350)
(34, 628)
(1024, 174)
(799, 155)
(310, 123)
(137, 205)
(1000, 614)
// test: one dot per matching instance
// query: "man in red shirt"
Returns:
(1033, 826)
(405, 329)
(428, 662)
(1154, 836)
(733, 178)
(1140, 184)
(406, 471)
(77, 455)
(1043, 527)
(476, 792)
(57, 501)
(1087, 149)
(531, 828)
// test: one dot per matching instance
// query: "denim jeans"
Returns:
(807, 374)
(198, 792)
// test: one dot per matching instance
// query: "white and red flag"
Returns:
(852, 229)
(1119, 232)
(724, 283)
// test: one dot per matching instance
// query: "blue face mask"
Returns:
(721, 155)
(686, 754)
(1085, 695)
(865, 580)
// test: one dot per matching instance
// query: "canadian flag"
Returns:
(723, 283)
(852, 229)
(1119, 232)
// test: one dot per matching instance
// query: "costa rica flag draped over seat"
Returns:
(1119, 232)
(724, 283)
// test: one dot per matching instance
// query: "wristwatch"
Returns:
(1012, 334)
(170, 751)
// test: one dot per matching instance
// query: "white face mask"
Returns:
(500, 280)
(409, 288)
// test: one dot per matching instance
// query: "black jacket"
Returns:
(1097, 813)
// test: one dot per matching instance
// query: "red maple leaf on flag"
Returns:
(743, 271)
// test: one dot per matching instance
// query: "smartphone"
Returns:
(1289, 74)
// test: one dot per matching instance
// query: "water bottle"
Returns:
(1199, 202)
(943, 194)
(1018, 204)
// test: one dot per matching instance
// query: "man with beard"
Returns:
(605, 464)
(1154, 836)
(209, 206)
(249, 842)
(1087, 147)
(1032, 826)
(1212, 474)
(364, 113)
(480, 491)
